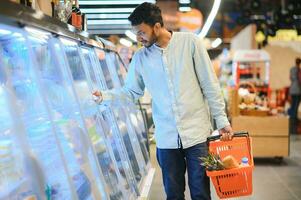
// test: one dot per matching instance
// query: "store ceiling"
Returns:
(107, 17)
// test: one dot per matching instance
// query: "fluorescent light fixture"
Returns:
(216, 42)
(84, 50)
(107, 10)
(37, 32)
(184, 1)
(210, 19)
(131, 35)
(132, 2)
(68, 42)
(4, 32)
(16, 34)
(185, 9)
(37, 39)
(104, 22)
(1, 90)
(107, 16)
(125, 42)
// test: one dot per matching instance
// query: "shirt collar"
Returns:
(154, 46)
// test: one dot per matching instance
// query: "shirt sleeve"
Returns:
(209, 83)
(133, 88)
(293, 74)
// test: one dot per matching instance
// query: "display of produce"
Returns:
(251, 76)
(253, 107)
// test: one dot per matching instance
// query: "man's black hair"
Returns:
(298, 61)
(147, 13)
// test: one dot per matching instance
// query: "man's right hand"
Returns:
(97, 96)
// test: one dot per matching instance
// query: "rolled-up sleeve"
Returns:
(133, 88)
(209, 83)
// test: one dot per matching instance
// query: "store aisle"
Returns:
(271, 180)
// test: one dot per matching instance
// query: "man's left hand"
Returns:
(226, 133)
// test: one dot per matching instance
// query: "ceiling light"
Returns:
(108, 16)
(111, 22)
(131, 35)
(37, 32)
(210, 19)
(115, 2)
(68, 42)
(125, 42)
(107, 10)
(4, 32)
(255, 4)
(185, 9)
(184, 1)
(17, 34)
(216, 42)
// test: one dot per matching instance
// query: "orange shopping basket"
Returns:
(232, 182)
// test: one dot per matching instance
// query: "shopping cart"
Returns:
(237, 181)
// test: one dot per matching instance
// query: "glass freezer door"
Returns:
(91, 62)
(134, 114)
(127, 113)
(16, 178)
(83, 88)
(103, 156)
(117, 73)
(138, 126)
(49, 166)
(111, 130)
(128, 133)
(67, 119)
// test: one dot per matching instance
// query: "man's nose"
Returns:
(139, 38)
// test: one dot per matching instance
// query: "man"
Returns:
(295, 92)
(176, 70)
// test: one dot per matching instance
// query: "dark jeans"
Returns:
(174, 162)
(293, 125)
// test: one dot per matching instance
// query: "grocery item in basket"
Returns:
(212, 162)
(244, 162)
(230, 162)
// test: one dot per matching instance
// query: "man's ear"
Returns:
(157, 28)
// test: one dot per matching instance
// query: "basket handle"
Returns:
(236, 134)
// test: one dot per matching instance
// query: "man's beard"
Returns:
(152, 41)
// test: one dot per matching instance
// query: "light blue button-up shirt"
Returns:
(179, 78)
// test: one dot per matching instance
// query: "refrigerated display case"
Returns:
(107, 117)
(75, 62)
(50, 166)
(132, 115)
(17, 179)
(68, 147)
(67, 117)
(121, 115)
(135, 112)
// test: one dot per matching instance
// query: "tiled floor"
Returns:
(271, 180)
